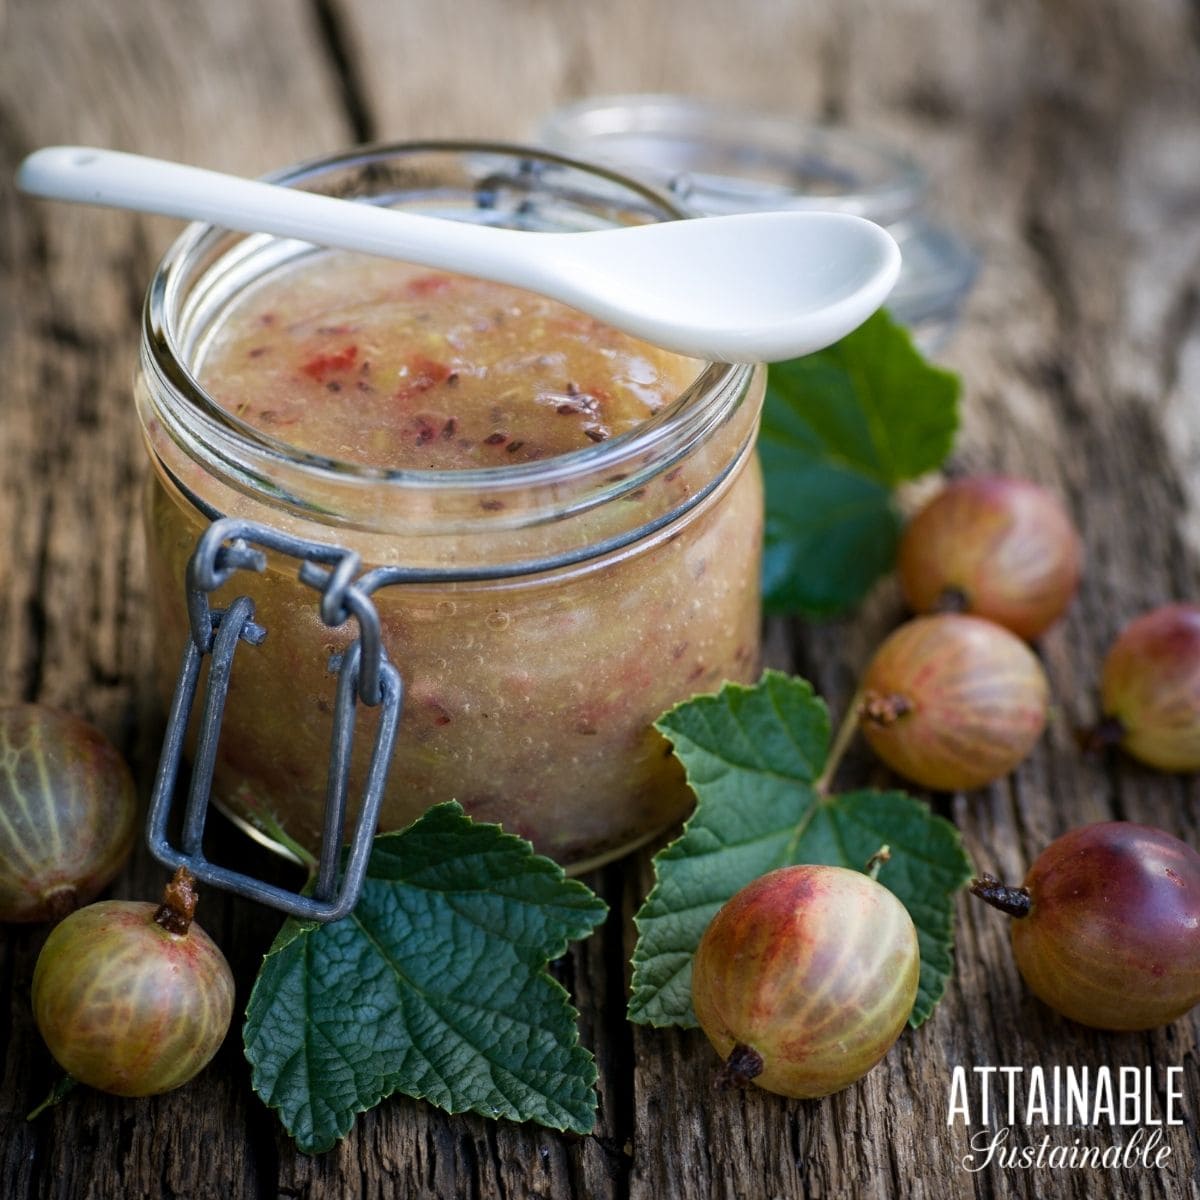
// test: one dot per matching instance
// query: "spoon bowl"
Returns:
(753, 287)
(750, 287)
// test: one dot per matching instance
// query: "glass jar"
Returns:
(550, 611)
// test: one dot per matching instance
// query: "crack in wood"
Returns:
(621, 898)
(1179, 326)
(35, 605)
(343, 63)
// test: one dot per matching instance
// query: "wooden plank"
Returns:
(1063, 139)
(201, 83)
(1023, 140)
(448, 70)
(1042, 156)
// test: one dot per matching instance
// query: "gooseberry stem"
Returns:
(178, 905)
(61, 902)
(876, 861)
(1108, 731)
(952, 600)
(1013, 901)
(55, 1096)
(841, 743)
(267, 823)
(742, 1065)
(884, 710)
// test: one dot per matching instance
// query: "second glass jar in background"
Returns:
(716, 158)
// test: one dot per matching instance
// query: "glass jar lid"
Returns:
(715, 158)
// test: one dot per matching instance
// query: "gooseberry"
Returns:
(68, 806)
(995, 547)
(1107, 928)
(1150, 689)
(133, 998)
(805, 978)
(953, 702)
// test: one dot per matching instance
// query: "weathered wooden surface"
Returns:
(1065, 137)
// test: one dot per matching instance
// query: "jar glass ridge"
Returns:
(624, 576)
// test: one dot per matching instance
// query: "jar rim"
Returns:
(714, 156)
(683, 420)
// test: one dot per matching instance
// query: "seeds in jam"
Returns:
(385, 365)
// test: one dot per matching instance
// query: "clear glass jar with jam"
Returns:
(575, 517)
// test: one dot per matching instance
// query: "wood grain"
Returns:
(1063, 139)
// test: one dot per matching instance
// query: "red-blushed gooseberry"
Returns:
(133, 998)
(995, 547)
(1106, 928)
(1150, 689)
(953, 702)
(805, 978)
(67, 812)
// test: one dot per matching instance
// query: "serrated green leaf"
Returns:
(435, 986)
(840, 429)
(753, 756)
(829, 534)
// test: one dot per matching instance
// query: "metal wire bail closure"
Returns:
(364, 673)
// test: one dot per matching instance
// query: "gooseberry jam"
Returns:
(436, 421)
(378, 363)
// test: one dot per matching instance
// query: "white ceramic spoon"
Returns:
(752, 287)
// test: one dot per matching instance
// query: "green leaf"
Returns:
(435, 986)
(840, 429)
(753, 756)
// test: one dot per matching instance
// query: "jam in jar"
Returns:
(578, 514)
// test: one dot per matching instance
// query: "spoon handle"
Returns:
(116, 180)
